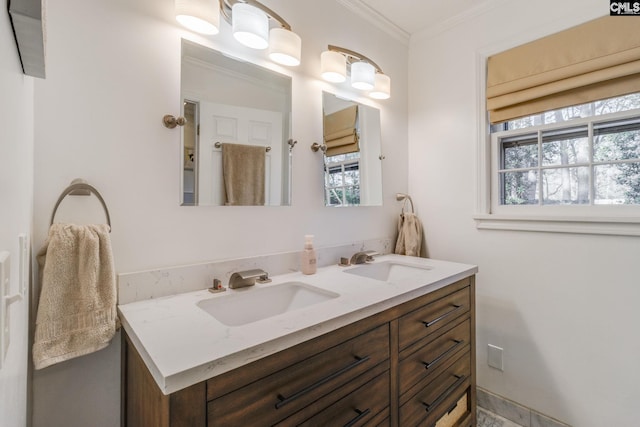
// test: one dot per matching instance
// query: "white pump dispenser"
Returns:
(308, 259)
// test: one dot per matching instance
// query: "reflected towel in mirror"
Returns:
(243, 169)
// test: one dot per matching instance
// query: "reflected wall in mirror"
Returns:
(352, 160)
(235, 147)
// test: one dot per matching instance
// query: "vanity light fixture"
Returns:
(201, 16)
(250, 21)
(336, 62)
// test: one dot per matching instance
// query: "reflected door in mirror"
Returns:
(231, 124)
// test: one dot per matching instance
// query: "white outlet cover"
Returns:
(5, 262)
(494, 357)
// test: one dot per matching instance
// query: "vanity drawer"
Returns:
(277, 396)
(366, 406)
(419, 363)
(427, 319)
(430, 403)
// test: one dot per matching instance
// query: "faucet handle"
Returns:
(217, 287)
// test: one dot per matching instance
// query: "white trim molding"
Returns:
(575, 225)
(367, 12)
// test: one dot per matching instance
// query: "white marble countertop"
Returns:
(182, 344)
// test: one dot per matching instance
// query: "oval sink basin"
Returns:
(251, 304)
(388, 271)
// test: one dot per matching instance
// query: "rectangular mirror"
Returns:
(235, 144)
(352, 160)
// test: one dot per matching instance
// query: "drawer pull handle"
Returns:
(447, 392)
(444, 316)
(285, 400)
(361, 415)
(450, 350)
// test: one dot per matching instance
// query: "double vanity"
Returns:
(390, 342)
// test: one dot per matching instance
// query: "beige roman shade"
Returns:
(340, 133)
(596, 60)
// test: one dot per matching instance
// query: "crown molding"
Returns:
(457, 20)
(373, 16)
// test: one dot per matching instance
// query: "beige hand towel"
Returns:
(409, 235)
(77, 308)
(243, 169)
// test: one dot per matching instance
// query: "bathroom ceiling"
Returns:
(412, 16)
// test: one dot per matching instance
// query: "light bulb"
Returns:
(250, 26)
(201, 16)
(284, 47)
(333, 66)
(362, 75)
(381, 87)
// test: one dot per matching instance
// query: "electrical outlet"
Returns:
(494, 358)
(5, 261)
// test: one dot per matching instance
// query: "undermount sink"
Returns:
(388, 271)
(255, 303)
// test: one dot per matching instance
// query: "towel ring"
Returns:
(405, 197)
(81, 188)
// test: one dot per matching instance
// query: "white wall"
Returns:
(113, 71)
(16, 192)
(562, 306)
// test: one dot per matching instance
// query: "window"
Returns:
(342, 179)
(578, 164)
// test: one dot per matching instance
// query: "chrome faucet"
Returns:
(363, 257)
(242, 279)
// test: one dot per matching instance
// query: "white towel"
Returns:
(409, 235)
(77, 308)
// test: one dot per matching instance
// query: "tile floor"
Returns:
(489, 419)
(496, 411)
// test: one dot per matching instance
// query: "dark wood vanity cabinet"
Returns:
(411, 365)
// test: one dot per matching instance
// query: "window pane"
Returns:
(596, 108)
(520, 188)
(519, 152)
(616, 141)
(617, 184)
(566, 186)
(352, 195)
(335, 197)
(565, 147)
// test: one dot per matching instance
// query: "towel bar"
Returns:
(218, 144)
(79, 187)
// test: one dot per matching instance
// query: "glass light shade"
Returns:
(362, 75)
(284, 47)
(250, 26)
(333, 66)
(201, 16)
(381, 87)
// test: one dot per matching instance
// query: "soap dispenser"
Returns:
(308, 259)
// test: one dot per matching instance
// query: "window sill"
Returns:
(629, 226)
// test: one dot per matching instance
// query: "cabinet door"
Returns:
(435, 399)
(424, 359)
(430, 318)
(277, 396)
(368, 405)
